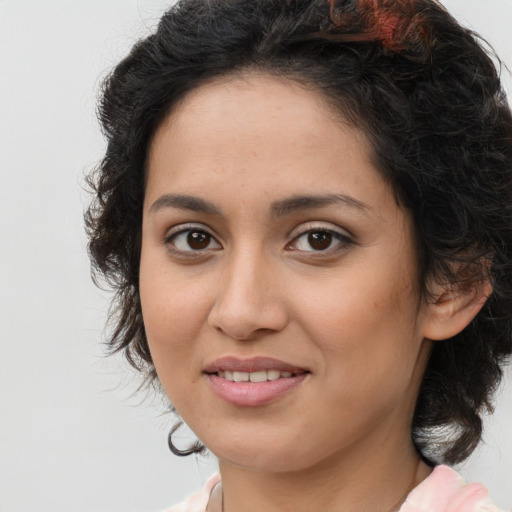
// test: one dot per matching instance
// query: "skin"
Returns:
(351, 314)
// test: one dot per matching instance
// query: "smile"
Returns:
(253, 382)
(260, 376)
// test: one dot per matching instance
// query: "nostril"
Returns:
(244, 312)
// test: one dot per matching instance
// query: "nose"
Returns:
(248, 302)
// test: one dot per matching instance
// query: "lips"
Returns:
(256, 364)
(259, 376)
(253, 382)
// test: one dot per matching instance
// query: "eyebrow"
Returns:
(279, 208)
(310, 202)
(184, 202)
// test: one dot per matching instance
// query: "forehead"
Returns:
(255, 105)
(245, 93)
(261, 134)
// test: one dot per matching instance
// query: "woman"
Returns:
(305, 209)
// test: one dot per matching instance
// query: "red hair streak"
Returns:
(392, 22)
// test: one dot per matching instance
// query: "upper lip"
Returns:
(254, 364)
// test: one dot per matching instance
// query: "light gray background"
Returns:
(71, 436)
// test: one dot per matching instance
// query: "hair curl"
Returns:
(429, 98)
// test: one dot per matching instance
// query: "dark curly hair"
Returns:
(427, 94)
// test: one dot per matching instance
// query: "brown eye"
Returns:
(320, 240)
(323, 241)
(192, 240)
(198, 240)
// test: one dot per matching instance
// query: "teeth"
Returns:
(261, 376)
(258, 376)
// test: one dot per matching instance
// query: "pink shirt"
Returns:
(444, 490)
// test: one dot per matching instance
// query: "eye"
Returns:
(192, 240)
(320, 240)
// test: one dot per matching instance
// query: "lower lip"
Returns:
(253, 394)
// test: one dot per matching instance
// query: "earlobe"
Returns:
(453, 308)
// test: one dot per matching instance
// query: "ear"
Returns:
(453, 307)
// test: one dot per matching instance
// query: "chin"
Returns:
(264, 462)
(264, 456)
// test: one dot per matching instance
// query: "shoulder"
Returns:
(443, 491)
(446, 491)
(198, 501)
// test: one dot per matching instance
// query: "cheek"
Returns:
(168, 318)
(362, 326)
(174, 313)
(365, 317)
(172, 325)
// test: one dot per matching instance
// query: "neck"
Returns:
(373, 483)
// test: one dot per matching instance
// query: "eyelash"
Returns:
(170, 240)
(343, 241)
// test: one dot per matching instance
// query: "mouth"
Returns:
(253, 382)
(259, 376)
(256, 369)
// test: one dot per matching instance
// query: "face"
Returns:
(278, 279)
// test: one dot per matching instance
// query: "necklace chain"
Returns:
(396, 506)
